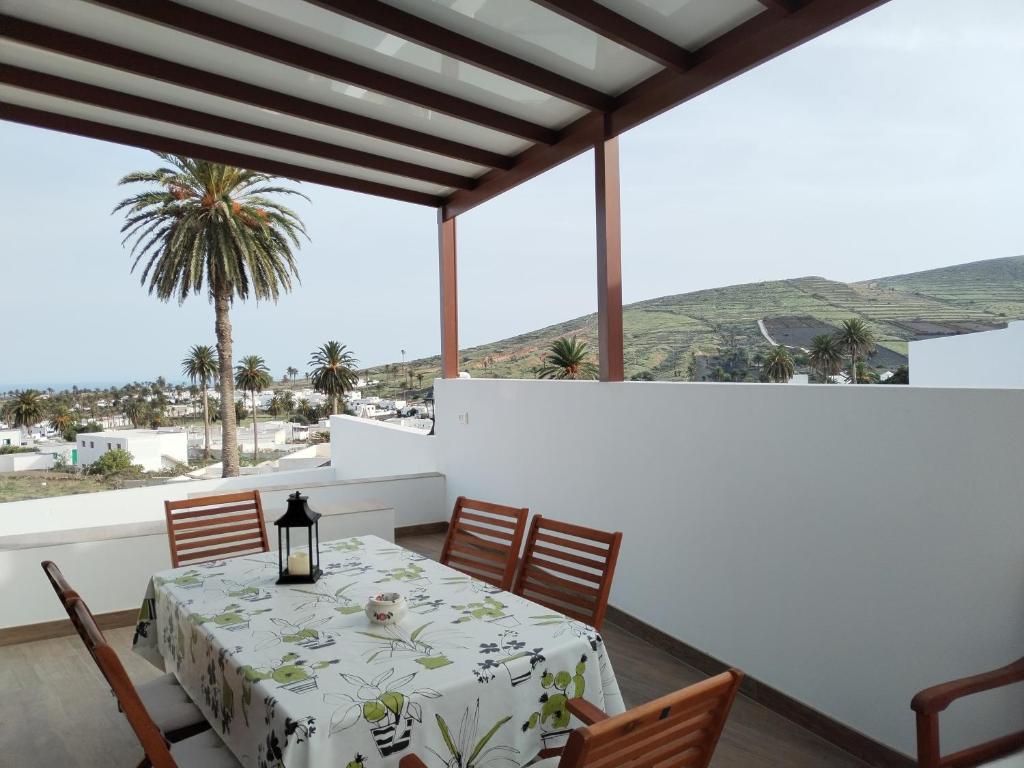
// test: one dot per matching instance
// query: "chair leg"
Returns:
(189, 730)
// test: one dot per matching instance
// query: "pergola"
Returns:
(443, 103)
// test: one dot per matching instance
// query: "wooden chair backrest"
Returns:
(483, 540)
(679, 730)
(146, 731)
(67, 597)
(211, 527)
(569, 568)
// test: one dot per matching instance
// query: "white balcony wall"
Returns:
(365, 448)
(846, 545)
(989, 359)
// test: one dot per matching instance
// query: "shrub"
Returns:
(117, 460)
(7, 449)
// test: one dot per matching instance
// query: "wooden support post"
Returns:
(609, 259)
(449, 296)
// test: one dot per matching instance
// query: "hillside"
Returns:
(686, 335)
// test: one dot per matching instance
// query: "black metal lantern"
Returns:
(298, 567)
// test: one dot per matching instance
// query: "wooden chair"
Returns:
(679, 730)
(569, 569)
(483, 540)
(171, 709)
(210, 527)
(204, 750)
(931, 701)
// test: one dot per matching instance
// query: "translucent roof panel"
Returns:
(313, 27)
(39, 60)
(687, 23)
(100, 23)
(527, 30)
(83, 111)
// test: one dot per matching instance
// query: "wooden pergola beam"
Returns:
(204, 121)
(761, 38)
(267, 46)
(423, 32)
(617, 28)
(130, 137)
(184, 76)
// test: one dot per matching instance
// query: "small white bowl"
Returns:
(386, 608)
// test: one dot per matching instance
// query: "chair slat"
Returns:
(197, 527)
(489, 554)
(541, 563)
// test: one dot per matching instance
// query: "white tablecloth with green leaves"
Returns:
(297, 676)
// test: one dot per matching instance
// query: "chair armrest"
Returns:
(411, 761)
(586, 711)
(938, 697)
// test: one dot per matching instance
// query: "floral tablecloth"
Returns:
(297, 676)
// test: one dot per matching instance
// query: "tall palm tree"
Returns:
(858, 340)
(25, 410)
(334, 371)
(201, 226)
(292, 373)
(826, 356)
(201, 365)
(252, 376)
(287, 402)
(135, 412)
(567, 358)
(61, 419)
(778, 365)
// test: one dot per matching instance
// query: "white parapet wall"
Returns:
(846, 545)
(366, 448)
(988, 359)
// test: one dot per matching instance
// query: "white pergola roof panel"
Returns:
(534, 33)
(689, 24)
(82, 111)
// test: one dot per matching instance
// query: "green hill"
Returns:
(687, 335)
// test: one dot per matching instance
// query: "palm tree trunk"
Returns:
(206, 422)
(853, 365)
(254, 449)
(334, 405)
(229, 427)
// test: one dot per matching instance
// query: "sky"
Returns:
(892, 144)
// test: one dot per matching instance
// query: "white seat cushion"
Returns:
(168, 704)
(547, 762)
(1016, 760)
(203, 751)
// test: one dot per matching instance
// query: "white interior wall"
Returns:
(846, 545)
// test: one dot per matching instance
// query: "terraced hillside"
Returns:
(687, 335)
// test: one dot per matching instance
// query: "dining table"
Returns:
(298, 676)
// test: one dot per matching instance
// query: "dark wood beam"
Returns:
(754, 42)
(141, 64)
(422, 32)
(782, 6)
(204, 121)
(608, 215)
(447, 263)
(243, 38)
(617, 28)
(94, 130)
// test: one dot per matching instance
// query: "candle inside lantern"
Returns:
(298, 564)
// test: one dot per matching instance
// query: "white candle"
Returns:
(298, 564)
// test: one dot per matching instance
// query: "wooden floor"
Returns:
(56, 711)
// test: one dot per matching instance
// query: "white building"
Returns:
(987, 359)
(10, 437)
(153, 449)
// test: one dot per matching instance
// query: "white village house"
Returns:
(153, 449)
(983, 360)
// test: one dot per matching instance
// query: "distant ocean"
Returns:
(57, 386)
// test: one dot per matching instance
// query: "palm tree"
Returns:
(61, 419)
(567, 358)
(858, 339)
(334, 371)
(826, 356)
(25, 410)
(201, 365)
(252, 376)
(292, 373)
(203, 226)
(778, 365)
(286, 402)
(134, 411)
